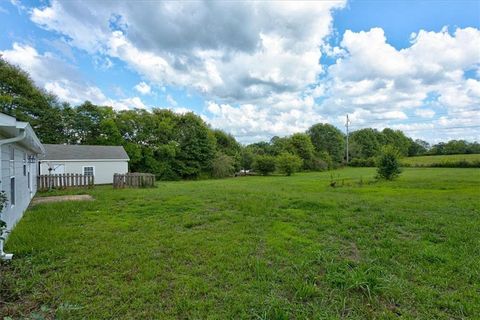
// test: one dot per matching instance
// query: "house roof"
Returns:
(11, 128)
(83, 152)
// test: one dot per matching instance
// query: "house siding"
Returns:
(23, 194)
(104, 170)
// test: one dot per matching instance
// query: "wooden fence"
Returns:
(65, 180)
(133, 180)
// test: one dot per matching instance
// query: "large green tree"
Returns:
(365, 143)
(20, 98)
(328, 138)
(301, 145)
(397, 139)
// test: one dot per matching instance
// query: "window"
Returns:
(89, 171)
(12, 191)
(24, 164)
(12, 161)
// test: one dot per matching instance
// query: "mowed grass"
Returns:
(429, 160)
(255, 248)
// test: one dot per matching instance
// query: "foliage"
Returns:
(264, 164)
(455, 147)
(301, 145)
(403, 240)
(388, 164)
(3, 203)
(365, 143)
(246, 158)
(288, 163)
(327, 138)
(397, 139)
(418, 147)
(223, 166)
(359, 162)
(445, 161)
(20, 98)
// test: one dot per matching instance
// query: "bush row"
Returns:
(447, 164)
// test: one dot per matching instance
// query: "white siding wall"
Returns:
(104, 170)
(23, 194)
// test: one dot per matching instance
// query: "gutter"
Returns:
(3, 232)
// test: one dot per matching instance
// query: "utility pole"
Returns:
(346, 125)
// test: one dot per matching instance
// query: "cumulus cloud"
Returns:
(371, 78)
(230, 51)
(62, 79)
(143, 88)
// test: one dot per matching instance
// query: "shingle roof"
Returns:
(83, 152)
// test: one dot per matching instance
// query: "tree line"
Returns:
(182, 146)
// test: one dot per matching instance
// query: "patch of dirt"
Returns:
(81, 197)
(354, 253)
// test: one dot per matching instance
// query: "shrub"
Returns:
(288, 163)
(3, 224)
(264, 164)
(457, 164)
(358, 162)
(317, 164)
(223, 166)
(388, 163)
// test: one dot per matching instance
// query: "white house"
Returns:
(100, 161)
(19, 152)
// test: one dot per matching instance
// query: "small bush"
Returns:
(288, 163)
(388, 163)
(264, 164)
(317, 164)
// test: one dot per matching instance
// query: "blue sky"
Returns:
(261, 69)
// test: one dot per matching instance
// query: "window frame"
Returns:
(93, 170)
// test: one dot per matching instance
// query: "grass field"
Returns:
(255, 248)
(429, 160)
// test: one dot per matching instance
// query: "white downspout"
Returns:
(20, 137)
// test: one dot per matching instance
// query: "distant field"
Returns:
(254, 248)
(429, 160)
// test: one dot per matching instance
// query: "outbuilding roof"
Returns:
(83, 152)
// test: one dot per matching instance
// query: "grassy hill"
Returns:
(254, 248)
(442, 160)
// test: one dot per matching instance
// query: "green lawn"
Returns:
(429, 160)
(255, 248)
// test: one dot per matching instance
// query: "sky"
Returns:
(261, 69)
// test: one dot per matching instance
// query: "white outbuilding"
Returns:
(100, 161)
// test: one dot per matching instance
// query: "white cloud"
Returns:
(127, 103)
(62, 79)
(425, 113)
(247, 52)
(372, 79)
(143, 88)
(171, 101)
